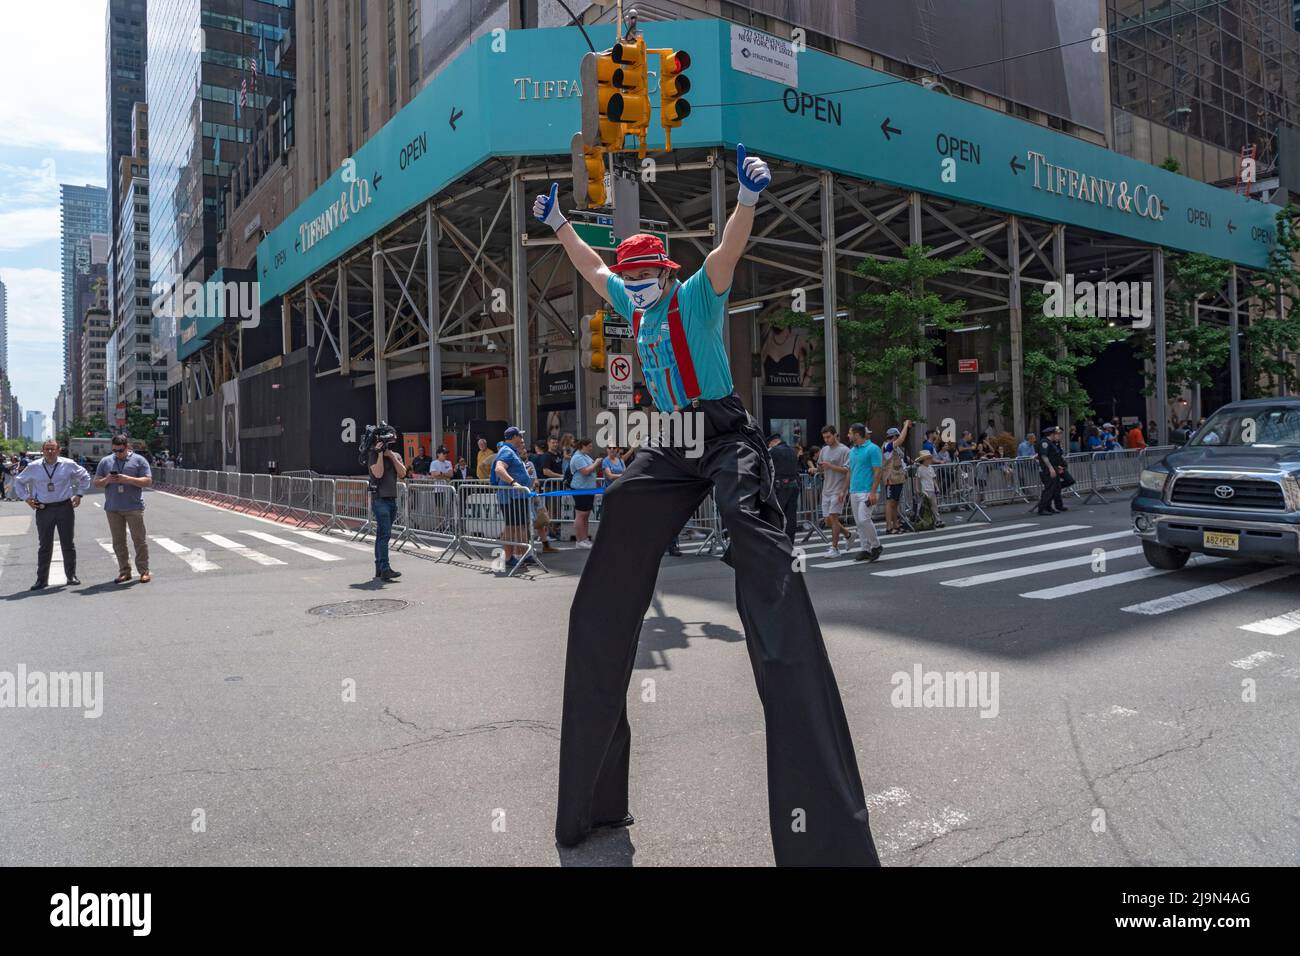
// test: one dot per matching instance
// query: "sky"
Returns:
(51, 132)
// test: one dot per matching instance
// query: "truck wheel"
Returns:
(1166, 559)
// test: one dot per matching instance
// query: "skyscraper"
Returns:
(35, 428)
(83, 212)
(200, 92)
(126, 44)
(4, 328)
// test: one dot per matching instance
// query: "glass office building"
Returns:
(1199, 81)
(200, 53)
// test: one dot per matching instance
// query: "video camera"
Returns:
(374, 436)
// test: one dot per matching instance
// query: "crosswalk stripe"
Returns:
(239, 549)
(1037, 568)
(196, 560)
(292, 546)
(942, 536)
(982, 543)
(57, 576)
(1111, 580)
(107, 545)
(998, 555)
(1282, 624)
(1209, 592)
(326, 539)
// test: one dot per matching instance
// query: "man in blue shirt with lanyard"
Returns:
(52, 487)
(812, 770)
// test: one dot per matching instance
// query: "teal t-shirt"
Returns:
(703, 311)
(864, 459)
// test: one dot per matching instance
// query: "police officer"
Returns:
(785, 471)
(52, 487)
(1051, 467)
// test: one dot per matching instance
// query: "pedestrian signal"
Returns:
(588, 173)
(593, 341)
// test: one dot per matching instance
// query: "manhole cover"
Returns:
(357, 608)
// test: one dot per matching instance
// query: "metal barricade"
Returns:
(322, 504)
(261, 499)
(483, 511)
(278, 499)
(352, 505)
(430, 513)
(298, 499)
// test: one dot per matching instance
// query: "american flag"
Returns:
(252, 65)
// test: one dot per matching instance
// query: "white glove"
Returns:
(547, 208)
(753, 174)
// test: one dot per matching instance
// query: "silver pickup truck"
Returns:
(1232, 491)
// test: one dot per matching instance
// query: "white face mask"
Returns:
(644, 293)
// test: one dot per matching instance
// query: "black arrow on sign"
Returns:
(1016, 166)
(455, 115)
(374, 179)
(1231, 227)
(887, 129)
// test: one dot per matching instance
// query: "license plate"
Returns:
(1222, 540)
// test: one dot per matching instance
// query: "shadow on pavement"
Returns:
(602, 848)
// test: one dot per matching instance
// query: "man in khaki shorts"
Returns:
(833, 463)
(124, 475)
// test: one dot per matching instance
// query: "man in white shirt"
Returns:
(440, 467)
(52, 487)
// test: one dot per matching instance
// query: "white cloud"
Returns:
(52, 72)
(35, 335)
(27, 227)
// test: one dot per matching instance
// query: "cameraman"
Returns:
(386, 469)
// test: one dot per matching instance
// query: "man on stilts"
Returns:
(816, 806)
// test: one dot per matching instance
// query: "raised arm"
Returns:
(584, 258)
(720, 264)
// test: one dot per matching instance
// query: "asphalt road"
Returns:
(1118, 734)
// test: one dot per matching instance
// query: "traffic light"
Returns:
(593, 341)
(674, 84)
(631, 105)
(599, 96)
(588, 173)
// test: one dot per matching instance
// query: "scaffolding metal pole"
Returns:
(286, 327)
(1158, 306)
(830, 301)
(345, 320)
(1234, 346)
(1059, 267)
(916, 237)
(1015, 311)
(379, 327)
(433, 314)
(519, 279)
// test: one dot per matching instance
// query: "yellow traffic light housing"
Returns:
(673, 87)
(631, 105)
(593, 341)
(600, 95)
(588, 174)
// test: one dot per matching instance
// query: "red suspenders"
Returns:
(681, 349)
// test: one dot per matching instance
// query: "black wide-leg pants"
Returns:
(816, 806)
(58, 516)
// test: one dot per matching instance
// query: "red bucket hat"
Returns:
(642, 251)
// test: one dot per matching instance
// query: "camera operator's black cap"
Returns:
(442, 450)
(512, 431)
